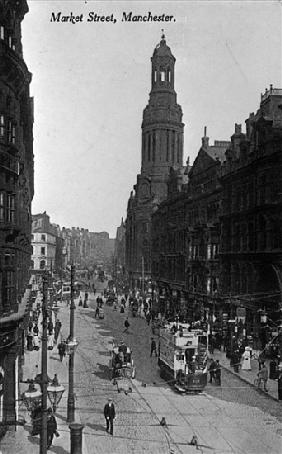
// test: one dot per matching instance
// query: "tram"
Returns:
(183, 357)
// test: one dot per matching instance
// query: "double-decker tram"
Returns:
(183, 357)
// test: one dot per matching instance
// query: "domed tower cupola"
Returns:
(162, 66)
(162, 127)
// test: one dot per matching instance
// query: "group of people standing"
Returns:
(33, 339)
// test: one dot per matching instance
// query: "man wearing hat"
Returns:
(110, 413)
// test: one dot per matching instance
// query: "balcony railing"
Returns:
(271, 91)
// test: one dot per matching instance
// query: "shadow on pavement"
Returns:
(103, 371)
(55, 358)
(58, 450)
(33, 440)
(63, 418)
(98, 427)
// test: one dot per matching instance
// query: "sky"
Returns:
(91, 82)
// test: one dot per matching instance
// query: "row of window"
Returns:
(6, 36)
(43, 237)
(7, 207)
(208, 284)
(172, 146)
(7, 129)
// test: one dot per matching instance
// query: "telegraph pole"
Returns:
(71, 401)
(44, 377)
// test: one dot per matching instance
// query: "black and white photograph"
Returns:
(140, 227)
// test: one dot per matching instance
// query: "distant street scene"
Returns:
(140, 227)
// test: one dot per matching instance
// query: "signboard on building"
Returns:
(241, 314)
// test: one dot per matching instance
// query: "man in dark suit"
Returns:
(110, 413)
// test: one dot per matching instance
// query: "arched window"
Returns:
(178, 149)
(42, 264)
(172, 146)
(154, 146)
(162, 76)
(167, 145)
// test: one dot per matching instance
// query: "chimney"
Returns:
(205, 139)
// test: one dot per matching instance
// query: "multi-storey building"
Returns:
(86, 249)
(251, 252)
(119, 253)
(162, 148)
(16, 193)
(186, 236)
(44, 243)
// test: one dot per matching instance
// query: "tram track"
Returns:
(166, 396)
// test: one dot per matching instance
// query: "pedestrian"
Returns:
(80, 301)
(58, 326)
(246, 359)
(50, 327)
(51, 427)
(279, 383)
(148, 317)
(35, 330)
(127, 325)
(110, 414)
(153, 347)
(62, 350)
(263, 376)
(211, 344)
(50, 342)
(97, 312)
(212, 370)
(236, 360)
(35, 342)
(218, 373)
(30, 340)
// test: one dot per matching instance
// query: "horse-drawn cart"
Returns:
(121, 367)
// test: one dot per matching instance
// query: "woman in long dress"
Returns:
(50, 342)
(35, 342)
(246, 359)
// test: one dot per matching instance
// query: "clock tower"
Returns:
(162, 149)
(162, 127)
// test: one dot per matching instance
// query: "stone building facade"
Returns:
(186, 236)
(217, 240)
(119, 252)
(251, 220)
(16, 193)
(44, 244)
(162, 148)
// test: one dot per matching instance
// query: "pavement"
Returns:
(248, 376)
(21, 442)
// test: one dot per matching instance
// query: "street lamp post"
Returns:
(71, 350)
(44, 377)
(55, 392)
